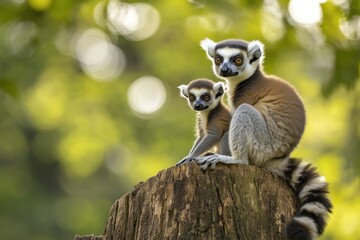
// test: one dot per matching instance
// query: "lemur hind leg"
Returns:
(249, 136)
(249, 140)
(224, 145)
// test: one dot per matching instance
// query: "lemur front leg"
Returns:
(188, 158)
(225, 153)
(196, 143)
(249, 140)
(204, 145)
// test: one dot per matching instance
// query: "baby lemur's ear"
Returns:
(184, 91)
(219, 89)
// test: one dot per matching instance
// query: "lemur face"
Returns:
(202, 94)
(200, 98)
(229, 62)
(233, 58)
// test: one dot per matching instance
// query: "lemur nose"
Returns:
(225, 69)
(198, 106)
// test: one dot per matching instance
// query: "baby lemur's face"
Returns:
(201, 99)
(202, 94)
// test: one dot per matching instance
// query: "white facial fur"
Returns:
(227, 53)
(244, 72)
(247, 70)
(198, 92)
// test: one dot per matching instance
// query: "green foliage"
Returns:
(73, 138)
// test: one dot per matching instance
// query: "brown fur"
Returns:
(201, 83)
(277, 101)
(212, 125)
(218, 118)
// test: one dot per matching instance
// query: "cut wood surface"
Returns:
(230, 202)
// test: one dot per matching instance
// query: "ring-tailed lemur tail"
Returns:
(312, 191)
(267, 124)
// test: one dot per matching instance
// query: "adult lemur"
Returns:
(267, 124)
(212, 120)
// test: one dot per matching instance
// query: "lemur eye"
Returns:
(218, 60)
(238, 61)
(206, 98)
(191, 98)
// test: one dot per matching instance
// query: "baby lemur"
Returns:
(213, 117)
(267, 123)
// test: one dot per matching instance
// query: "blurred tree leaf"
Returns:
(332, 15)
(66, 122)
(10, 88)
(354, 8)
(346, 70)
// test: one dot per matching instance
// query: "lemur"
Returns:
(213, 117)
(268, 120)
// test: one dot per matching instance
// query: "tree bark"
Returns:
(230, 202)
(88, 237)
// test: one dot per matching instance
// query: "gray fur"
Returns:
(250, 140)
(212, 118)
(267, 124)
(224, 145)
(206, 143)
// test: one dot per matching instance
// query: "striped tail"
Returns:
(315, 206)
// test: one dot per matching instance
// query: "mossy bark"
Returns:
(230, 202)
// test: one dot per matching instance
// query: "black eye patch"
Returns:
(192, 97)
(236, 57)
(206, 97)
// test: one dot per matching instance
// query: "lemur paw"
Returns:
(186, 159)
(207, 161)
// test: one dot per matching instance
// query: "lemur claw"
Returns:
(204, 162)
(185, 160)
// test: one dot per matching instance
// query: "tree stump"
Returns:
(88, 237)
(230, 202)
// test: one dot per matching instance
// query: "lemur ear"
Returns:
(184, 91)
(256, 51)
(209, 47)
(219, 89)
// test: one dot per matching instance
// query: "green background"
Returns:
(71, 140)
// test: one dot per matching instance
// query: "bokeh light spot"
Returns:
(19, 38)
(39, 5)
(99, 58)
(209, 22)
(351, 27)
(118, 159)
(136, 21)
(146, 95)
(272, 27)
(306, 12)
(17, 2)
